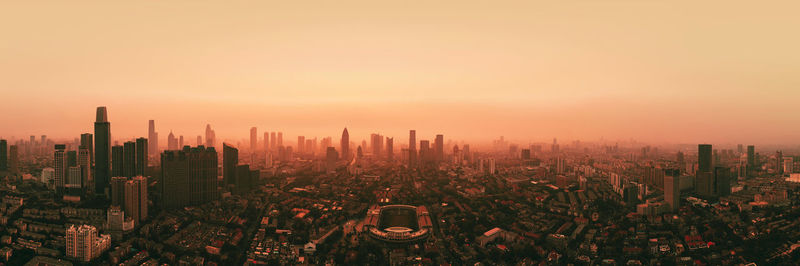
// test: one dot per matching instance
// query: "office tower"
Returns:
(672, 191)
(230, 158)
(102, 151)
(438, 144)
(273, 141)
(331, 156)
(117, 161)
(60, 165)
(243, 180)
(722, 181)
(210, 136)
(129, 159)
(86, 142)
(13, 159)
(3, 155)
(425, 153)
(704, 158)
(310, 146)
(266, 141)
(344, 145)
(525, 154)
(390, 149)
(172, 142)
(375, 142)
(412, 148)
(779, 162)
(142, 155)
(301, 144)
(704, 183)
(85, 163)
(117, 187)
(180, 142)
(199, 141)
(152, 137)
(84, 244)
(253, 139)
(189, 177)
(280, 138)
(751, 160)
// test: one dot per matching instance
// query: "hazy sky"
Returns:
(676, 71)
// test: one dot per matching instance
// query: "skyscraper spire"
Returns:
(345, 144)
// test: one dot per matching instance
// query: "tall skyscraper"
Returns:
(210, 136)
(253, 139)
(280, 138)
(13, 159)
(172, 142)
(117, 161)
(331, 156)
(60, 165)
(129, 159)
(152, 137)
(344, 145)
(230, 158)
(439, 147)
(273, 141)
(180, 142)
(390, 149)
(722, 181)
(135, 198)
(301, 144)
(751, 160)
(86, 142)
(117, 187)
(102, 151)
(266, 141)
(704, 161)
(85, 163)
(412, 148)
(672, 191)
(3, 155)
(189, 177)
(779, 162)
(142, 155)
(243, 180)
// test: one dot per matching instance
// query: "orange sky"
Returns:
(674, 71)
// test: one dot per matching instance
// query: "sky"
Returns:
(654, 71)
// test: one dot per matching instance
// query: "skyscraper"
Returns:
(3, 155)
(412, 148)
(344, 145)
(172, 142)
(85, 163)
(117, 161)
(253, 139)
(188, 177)
(280, 138)
(751, 160)
(266, 141)
(117, 187)
(704, 162)
(439, 147)
(273, 141)
(301, 144)
(102, 151)
(152, 137)
(672, 191)
(331, 156)
(210, 136)
(722, 181)
(135, 198)
(86, 142)
(60, 165)
(180, 142)
(141, 156)
(389, 149)
(129, 159)
(13, 159)
(230, 158)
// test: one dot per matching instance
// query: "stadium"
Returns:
(398, 223)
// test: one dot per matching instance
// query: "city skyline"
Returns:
(646, 71)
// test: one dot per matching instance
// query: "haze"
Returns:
(672, 71)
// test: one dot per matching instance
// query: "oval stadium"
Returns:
(398, 223)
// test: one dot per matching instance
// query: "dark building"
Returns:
(230, 159)
(331, 156)
(117, 187)
(722, 180)
(152, 137)
(117, 161)
(438, 144)
(188, 177)
(704, 160)
(244, 180)
(86, 142)
(3, 155)
(389, 149)
(142, 153)
(526, 154)
(704, 184)
(13, 159)
(345, 145)
(751, 160)
(129, 159)
(102, 151)
(412, 148)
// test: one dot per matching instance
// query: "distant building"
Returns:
(230, 159)
(3, 155)
(412, 148)
(344, 145)
(152, 137)
(253, 139)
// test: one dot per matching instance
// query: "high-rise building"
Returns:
(389, 149)
(280, 138)
(672, 191)
(172, 142)
(253, 139)
(230, 159)
(135, 198)
(129, 159)
(439, 147)
(142, 154)
(13, 159)
(751, 160)
(779, 162)
(83, 243)
(117, 161)
(331, 156)
(273, 141)
(376, 143)
(525, 154)
(152, 137)
(180, 142)
(60, 165)
(344, 145)
(74, 181)
(3, 155)
(85, 163)
(301, 144)
(425, 153)
(266, 141)
(210, 136)
(722, 181)
(243, 180)
(86, 142)
(102, 151)
(412, 148)
(188, 177)
(117, 187)
(704, 161)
